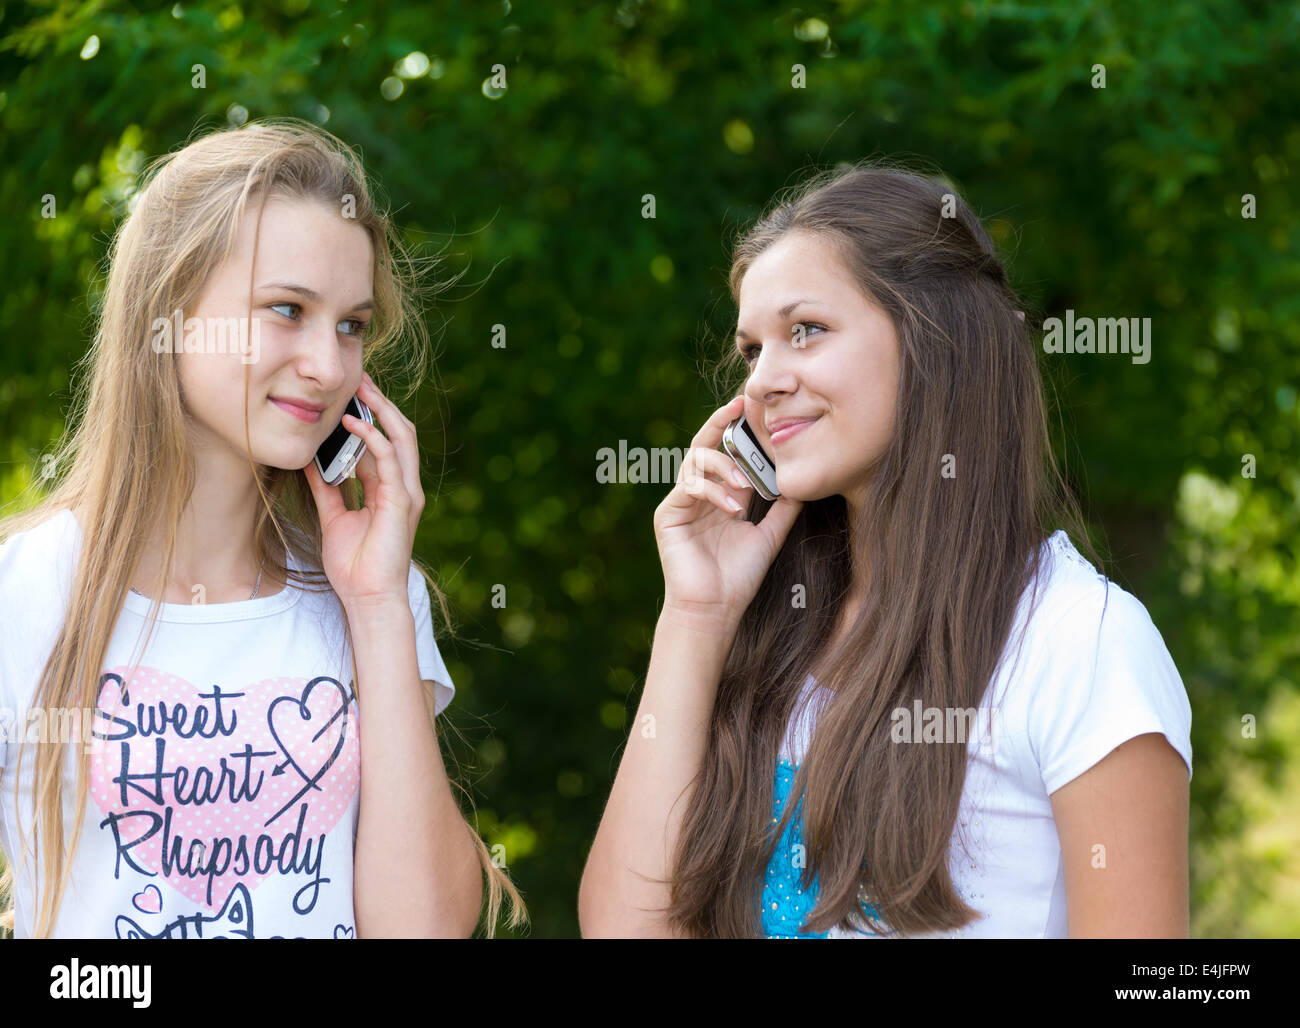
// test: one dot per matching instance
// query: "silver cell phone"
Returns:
(338, 455)
(743, 448)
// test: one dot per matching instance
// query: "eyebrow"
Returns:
(311, 294)
(783, 312)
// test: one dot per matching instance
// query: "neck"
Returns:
(215, 541)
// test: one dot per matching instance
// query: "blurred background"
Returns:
(1127, 199)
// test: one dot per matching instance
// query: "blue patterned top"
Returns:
(785, 902)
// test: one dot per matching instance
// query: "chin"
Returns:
(796, 488)
(284, 461)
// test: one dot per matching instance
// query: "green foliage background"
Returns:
(1118, 201)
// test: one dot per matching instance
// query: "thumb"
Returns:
(780, 517)
(329, 501)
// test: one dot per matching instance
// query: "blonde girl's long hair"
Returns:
(127, 464)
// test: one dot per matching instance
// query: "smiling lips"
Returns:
(307, 414)
(787, 427)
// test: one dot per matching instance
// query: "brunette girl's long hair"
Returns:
(127, 467)
(949, 559)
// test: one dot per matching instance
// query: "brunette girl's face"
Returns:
(312, 298)
(821, 357)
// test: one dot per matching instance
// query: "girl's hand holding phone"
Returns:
(713, 558)
(367, 552)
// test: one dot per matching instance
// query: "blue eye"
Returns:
(750, 351)
(358, 331)
(807, 325)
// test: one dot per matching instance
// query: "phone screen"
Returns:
(329, 449)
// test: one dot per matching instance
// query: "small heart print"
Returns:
(343, 933)
(148, 900)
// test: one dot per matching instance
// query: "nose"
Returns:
(320, 355)
(773, 374)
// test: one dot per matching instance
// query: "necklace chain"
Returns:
(256, 587)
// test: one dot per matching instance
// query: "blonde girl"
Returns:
(252, 649)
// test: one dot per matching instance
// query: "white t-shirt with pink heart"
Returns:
(225, 771)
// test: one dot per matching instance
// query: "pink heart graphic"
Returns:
(148, 900)
(224, 804)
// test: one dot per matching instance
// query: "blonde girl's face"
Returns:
(311, 301)
(819, 352)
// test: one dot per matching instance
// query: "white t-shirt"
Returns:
(225, 773)
(1083, 685)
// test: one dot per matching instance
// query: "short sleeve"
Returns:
(1104, 678)
(428, 656)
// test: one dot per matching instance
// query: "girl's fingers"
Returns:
(401, 433)
(704, 459)
(385, 455)
(709, 437)
(702, 463)
(779, 519)
(718, 463)
(329, 500)
(714, 493)
(367, 472)
(695, 482)
(367, 467)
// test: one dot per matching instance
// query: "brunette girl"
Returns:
(896, 701)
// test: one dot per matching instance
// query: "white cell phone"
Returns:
(743, 448)
(338, 455)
